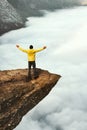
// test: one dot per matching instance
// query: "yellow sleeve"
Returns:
(37, 50)
(21, 49)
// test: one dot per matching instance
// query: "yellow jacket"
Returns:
(31, 53)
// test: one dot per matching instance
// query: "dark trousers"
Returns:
(31, 64)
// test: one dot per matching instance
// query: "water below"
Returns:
(64, 32)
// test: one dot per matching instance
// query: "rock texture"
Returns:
(9, 18)
(17, 96)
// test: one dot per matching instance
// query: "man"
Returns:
(31, 59)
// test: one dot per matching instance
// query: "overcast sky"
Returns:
(64, 33)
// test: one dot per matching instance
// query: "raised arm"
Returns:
(20, 48)
(37, 50)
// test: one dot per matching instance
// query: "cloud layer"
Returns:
(64, 32)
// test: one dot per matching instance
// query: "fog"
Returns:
(32, 7)
(64, 33)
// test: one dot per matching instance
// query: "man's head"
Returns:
(31, 46)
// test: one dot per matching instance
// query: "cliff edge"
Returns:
(17, 96)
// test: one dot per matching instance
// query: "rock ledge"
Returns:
(17, 96)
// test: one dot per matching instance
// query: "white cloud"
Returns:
(64, 33)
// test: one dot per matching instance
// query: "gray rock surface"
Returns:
(9, 18)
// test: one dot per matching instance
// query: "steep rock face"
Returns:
(17, 96)
(9, 18)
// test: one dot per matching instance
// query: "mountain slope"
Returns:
(9, 18)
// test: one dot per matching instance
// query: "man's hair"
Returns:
(31, 46)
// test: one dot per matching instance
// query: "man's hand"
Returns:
(17, 46)
(44, 47)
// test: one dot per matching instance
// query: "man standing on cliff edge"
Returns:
(31, 59)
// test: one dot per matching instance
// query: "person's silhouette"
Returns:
(31, 59)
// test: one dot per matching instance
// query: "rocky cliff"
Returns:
(9, 18)
(17, 96)
(13, 13)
